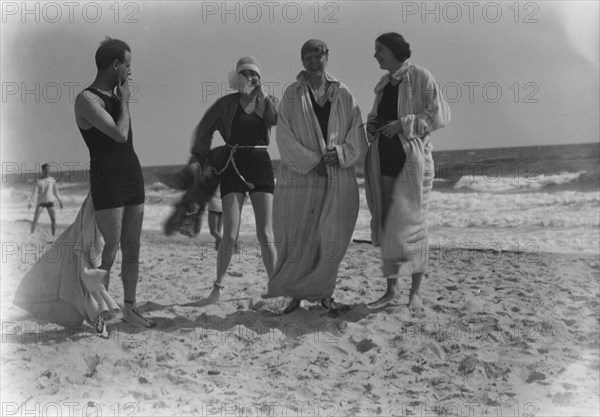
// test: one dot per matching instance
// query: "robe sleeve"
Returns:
(355, 144)
(435, 113)
(373, 116)
(203, 134)
(294, 155)
(270, 114)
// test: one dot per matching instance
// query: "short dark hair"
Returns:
(395, 43)
(109, 50)
(44, 166)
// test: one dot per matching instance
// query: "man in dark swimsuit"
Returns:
(116, 179)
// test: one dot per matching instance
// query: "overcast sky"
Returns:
(514, 73)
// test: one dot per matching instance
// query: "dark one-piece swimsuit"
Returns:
(391, 153)
(116, 178)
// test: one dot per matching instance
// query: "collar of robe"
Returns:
(334, 84)
(398, 75)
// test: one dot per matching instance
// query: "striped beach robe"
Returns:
(314, 216)
(421, 110)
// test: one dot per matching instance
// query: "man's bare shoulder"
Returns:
(86, 96)
(87, 100)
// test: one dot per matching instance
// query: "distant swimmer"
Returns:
(44, 191)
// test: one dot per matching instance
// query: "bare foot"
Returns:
(388, 298)
(414, 303)
(215, 294)
(131, 315)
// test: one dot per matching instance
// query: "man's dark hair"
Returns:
(44, 166)
(109, 50)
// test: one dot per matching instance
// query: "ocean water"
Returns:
(526, 199)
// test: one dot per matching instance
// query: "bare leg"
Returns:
(215, 225)
(110, 222)
(232, 210)
(36, 217)
(52, 215)
(198, 221)
(237, 244)
(414, 298)
(262, 203)
(387, 186)
(131, 231)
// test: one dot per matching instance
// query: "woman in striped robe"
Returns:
(315, 204)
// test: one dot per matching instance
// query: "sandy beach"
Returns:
(510, 325)
(503, 333)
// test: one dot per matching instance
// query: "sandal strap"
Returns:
(218, 285)
(99, 324)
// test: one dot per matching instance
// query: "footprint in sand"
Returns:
(366, 345)
(494, 370)
(438, 308)
(235, 274)
(563, 399)
(535, 376)
(467, 365)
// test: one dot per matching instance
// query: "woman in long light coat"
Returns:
(315, 204)
(399, 167)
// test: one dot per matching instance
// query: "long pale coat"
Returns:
(313, 216)
(421, 110)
